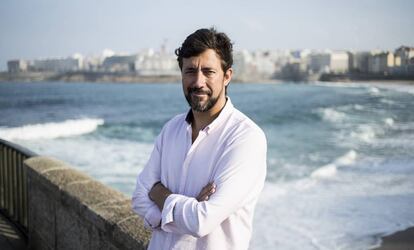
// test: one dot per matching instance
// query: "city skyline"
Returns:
(54, 29)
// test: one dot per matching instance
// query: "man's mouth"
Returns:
(199, 93)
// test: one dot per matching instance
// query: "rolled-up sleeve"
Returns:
(239, 179)
(141, 203)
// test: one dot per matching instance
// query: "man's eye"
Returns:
(209, 72)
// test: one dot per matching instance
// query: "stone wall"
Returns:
(70, 210)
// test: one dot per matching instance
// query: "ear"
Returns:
(227, 76)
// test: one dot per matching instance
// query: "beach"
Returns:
(403, 240)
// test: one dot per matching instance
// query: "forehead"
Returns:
(208, 58)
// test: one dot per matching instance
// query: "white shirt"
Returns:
(231, 152)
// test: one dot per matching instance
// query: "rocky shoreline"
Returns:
(133, 77)
(403, 240)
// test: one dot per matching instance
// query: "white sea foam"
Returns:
(389, 121)
(404, 126)
(364, 133)
(358, 107)
(331, 169)
(386, 101)
(51, 130)
(331, 115)
(374, 90)
(403, 88)
(348, 212)
(339, 84)
(112, 161)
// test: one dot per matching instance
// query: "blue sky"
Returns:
(50, 28)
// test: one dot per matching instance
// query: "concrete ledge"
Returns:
(70, 210)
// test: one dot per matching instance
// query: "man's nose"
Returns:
(200, 79)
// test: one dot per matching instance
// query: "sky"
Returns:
(31, 29)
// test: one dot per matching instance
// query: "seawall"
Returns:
(70, 210)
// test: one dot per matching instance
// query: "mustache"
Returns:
(198, 91)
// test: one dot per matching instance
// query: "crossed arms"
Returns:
(159, 193)
(238, 181)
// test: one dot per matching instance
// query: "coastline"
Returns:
(402, 240)
(134, 78)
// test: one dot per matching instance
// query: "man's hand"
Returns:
(158, 194)
(206, 192)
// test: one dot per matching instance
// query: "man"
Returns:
(204, 176)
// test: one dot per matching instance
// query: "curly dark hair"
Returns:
(204, 39)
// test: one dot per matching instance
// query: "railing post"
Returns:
(9, 177)
(2, 177)
(25, 208)
(13, 183)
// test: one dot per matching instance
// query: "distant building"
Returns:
(329, 62)
(319, 62)
(282, 57)
(380, 62)
(264, 63)
(119, 63)
(358, 62)
(15, 66)
(152, 63)
(404, 61)
(242, 65)
(339, 62)
(295, 70)
(251, 66)
(404, 55)
(57, 64)
(92, 63)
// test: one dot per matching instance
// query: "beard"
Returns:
(195, 102)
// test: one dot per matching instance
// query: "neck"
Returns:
(202, 119)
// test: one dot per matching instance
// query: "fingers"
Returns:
(206, 192)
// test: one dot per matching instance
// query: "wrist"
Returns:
(158, 194)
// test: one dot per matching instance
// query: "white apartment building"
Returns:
(152, 63)
(380, 62)
(57, 64)
(15, 66)
(329, 62)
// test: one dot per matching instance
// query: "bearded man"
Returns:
(208, 166)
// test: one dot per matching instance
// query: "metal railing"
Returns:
(13, 183)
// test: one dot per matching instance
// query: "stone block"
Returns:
(71, 231)
(70, 210)
(41, 216)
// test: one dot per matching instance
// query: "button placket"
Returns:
(188, 157)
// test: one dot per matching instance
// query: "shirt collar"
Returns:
(224, 113)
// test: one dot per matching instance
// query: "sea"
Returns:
(340, 155)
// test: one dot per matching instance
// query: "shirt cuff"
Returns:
(167, 213)
(152, 218)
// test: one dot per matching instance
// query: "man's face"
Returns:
(204, 80)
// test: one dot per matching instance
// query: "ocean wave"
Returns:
(406, 126)
(331, 169)
(122, 161)
(364, 207)
(51, 130)
(331, 115)
(365, 133)
(339, 84)
(402, 88)
(389, 121)
(374, 91)
(386, 101)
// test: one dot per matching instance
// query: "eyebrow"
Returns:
(204, 68)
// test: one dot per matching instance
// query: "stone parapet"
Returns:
(70, 210)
